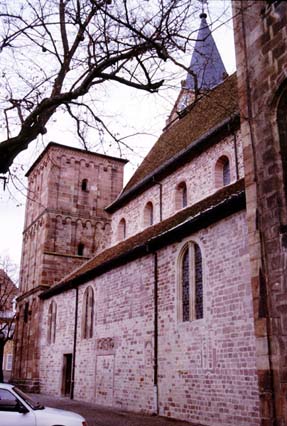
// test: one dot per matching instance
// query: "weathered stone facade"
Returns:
(113, 330)
(199, 176)
(65, 224)
(206, 368)
(137, 352)
(261, 48)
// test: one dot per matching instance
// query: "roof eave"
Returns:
(232, 122)
(67, 147)
(234, 203)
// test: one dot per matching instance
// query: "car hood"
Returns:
(58, 413)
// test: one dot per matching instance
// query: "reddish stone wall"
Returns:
(61, 213)
(199, 176)
(206, 368)
(26, 343)
(261, 49)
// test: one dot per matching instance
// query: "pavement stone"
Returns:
(98, 415)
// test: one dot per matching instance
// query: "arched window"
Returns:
(88, 314)
(190, 283)
(148, 214)
(80, 250)
(222, 172)
(181, 196)
(84, 185)
(122, 229)
(52, 318)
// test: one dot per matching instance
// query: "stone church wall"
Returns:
(261, 52)
(206, 367)
(199, 176)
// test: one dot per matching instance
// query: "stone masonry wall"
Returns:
(60, 215)
(199, 176)
(65, 225)
(206, 367)
(261, 50)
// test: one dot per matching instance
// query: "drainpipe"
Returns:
(155, 370)
(160, 197)
(75, 344)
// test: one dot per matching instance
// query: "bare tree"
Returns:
(8, 292)
(56, 54)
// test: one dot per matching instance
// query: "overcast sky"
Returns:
(133, 112)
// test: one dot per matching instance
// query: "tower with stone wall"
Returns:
(261, 53)
(65, 224)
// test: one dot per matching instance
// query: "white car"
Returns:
(18, 409)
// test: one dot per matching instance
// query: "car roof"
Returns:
(6, 386)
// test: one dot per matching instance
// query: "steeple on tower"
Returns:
(206, 63)
(206, 69)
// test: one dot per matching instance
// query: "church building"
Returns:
(152, 297)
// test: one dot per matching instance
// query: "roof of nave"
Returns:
(197, 127)
(70, 148)
(219, 205)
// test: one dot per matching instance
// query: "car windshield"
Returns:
(34, 405)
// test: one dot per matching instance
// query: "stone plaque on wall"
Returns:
(106, 345)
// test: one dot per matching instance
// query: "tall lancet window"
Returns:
(190, 288)
(52, 320)
(88, 313)
(148, 214)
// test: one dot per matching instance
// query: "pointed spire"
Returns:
(206, 62)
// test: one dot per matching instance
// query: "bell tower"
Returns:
(65, 225)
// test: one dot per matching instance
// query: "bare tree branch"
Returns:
(53, 53)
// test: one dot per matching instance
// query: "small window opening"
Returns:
(222, 172)
(81, 249)
(85, 185)
(26, 312)
(148, 214)
(122, 229)
(181, 196)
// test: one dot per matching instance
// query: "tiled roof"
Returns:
(222, 203)
(195, 128)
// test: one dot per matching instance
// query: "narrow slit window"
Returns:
(148, 214)
(81, 248)
(84, 185)
(181, 196)
(52, 319)
(88, 314)
(122, 229)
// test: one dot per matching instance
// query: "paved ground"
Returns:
(101, 416)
